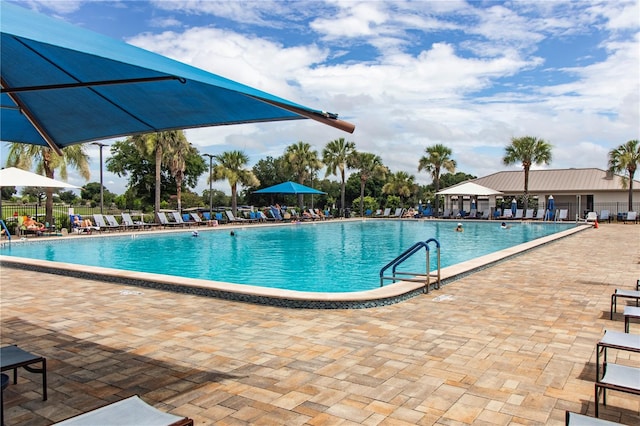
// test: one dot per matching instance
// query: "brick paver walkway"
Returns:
(512, 344)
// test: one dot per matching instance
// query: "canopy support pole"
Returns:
(327, 118)
(36, 125)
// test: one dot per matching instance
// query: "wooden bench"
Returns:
(612, 376)
(626, 294)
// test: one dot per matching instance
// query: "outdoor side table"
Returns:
(616, 377)
(12, 357)
(630, 312)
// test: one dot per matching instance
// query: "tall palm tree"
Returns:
(302, 161)
(175, 158)
(23, 156)
(527, 150)
(230, 165)
(626, 158)
(438, 158)
(369, 166)
(400, 184)
(336, 156)
(157, 143)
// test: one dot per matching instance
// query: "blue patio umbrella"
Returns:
(289, 188)
(550, 208)
(514, 206)
(63, 85)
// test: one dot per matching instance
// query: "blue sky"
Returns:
(408, 74)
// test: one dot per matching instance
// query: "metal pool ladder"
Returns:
(413, 276)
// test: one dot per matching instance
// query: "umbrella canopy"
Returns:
(288, 188)
(17, 177)
(469, 188)
(63, 85)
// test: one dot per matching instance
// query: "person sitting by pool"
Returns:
(411, 212)
(80, 223)
(30, 223)
(459, 228)
(504, 226)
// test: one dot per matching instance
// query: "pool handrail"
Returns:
(407, 254)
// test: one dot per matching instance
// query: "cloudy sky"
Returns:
(409, 74)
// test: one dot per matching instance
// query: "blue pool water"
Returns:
(337, 256)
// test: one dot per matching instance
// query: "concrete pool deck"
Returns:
(513, 343)
(388, 294)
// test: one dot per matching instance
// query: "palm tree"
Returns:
(400, 184)
(369, 166)
(175, 158)
(527, 150)
(230, 166)
(157, 143)
(626, 158)
(302, 161)
(336, 156)
(23, 156)
(438, 157)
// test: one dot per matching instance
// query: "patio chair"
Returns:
(508, 214)
(386, 212)
(631, 217)
(519, 214)
(178, 219)
(100, 221)
(575, 419)
(563, 214)
(398, 213)
(528, 215)
(129, 411)
(162, 218)
(605, 215)
(234, 219)
(129, 223)
(196, 219)
(540, 214)
(113, 223)
(624, 294)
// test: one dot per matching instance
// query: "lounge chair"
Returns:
(386, 212)
(275, 213)
(473, 214)
(129, 223)
(446, 213)
(485, 215)
(508, 214)
(631, 217)
(234, 219)
(625, 294)
(528, 215)
(79, 228)
(129, 411)
(398, 213)
(519, 214)
(197, 219)
(605, 215)
(592, 217)
(111, 220)
(178, 219)
(575, 419)
(162, 218)
(266, 218)
(102, 224)
(563, 214)
(540, 214)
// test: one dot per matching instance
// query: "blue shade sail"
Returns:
(63, 85)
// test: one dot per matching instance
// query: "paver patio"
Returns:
(511, 344)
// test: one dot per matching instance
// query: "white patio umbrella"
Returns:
(13, 176)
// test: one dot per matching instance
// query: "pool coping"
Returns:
(382, 296)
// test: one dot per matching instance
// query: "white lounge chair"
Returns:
(129, 411)
(540, 214)
(234, 219)
(102, 224)
(528, 214)
(519, 214)
(630, 217)
(162, 218)
(563, 214)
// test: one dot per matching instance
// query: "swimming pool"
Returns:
(332, 257)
